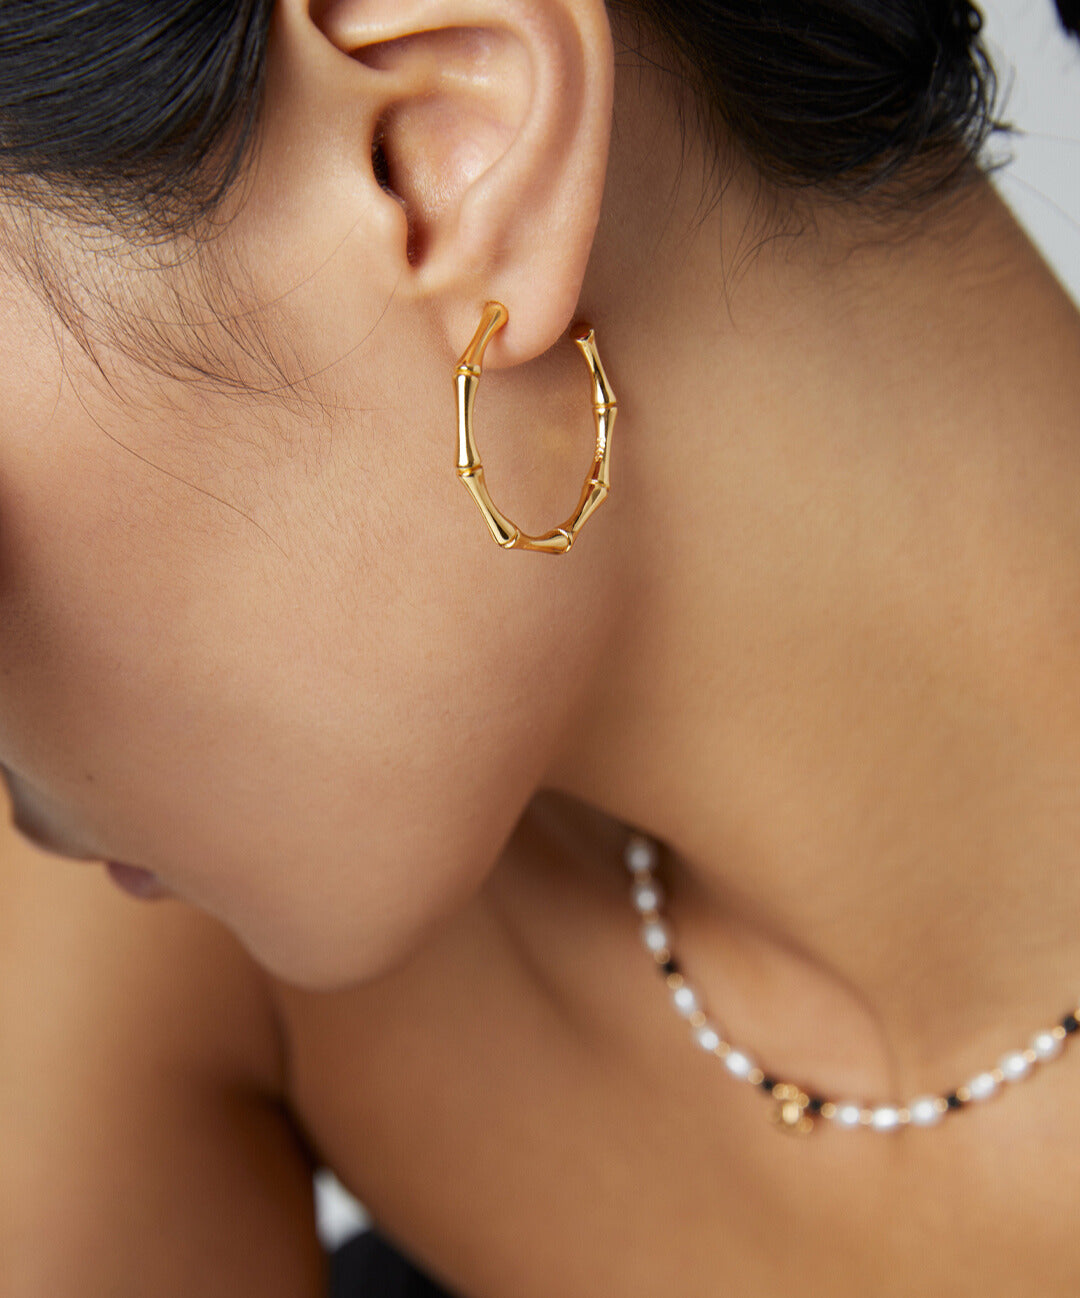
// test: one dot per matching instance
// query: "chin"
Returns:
(334, 960)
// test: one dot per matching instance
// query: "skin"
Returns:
(820, 641)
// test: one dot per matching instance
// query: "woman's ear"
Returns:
(486, 122)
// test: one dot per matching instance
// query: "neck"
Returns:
(845, 691)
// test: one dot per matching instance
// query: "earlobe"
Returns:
(492, 120)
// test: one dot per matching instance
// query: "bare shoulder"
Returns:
(145, 1145)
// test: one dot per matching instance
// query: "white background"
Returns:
(1039, 75)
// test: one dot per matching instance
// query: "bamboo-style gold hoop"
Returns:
(471, 471)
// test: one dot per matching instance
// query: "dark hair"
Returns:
(147, 110)
(882, 100)
(134, 112)
(137, 117)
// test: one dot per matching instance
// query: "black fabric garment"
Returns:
(366, 1266)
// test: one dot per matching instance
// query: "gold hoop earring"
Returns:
(471, 471)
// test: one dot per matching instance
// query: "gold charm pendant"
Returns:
(789, 1112)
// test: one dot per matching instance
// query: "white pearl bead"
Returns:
(982, 1086)
(924, 1111)
(707, 1038)
(686, 1001)
(885, 1118)
(847, 1115)
(738, 1063)
(655, 936)
(1014, 1065)
(647, 896)
(1046, 1045)
(641, 855)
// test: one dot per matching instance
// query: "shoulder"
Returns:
(159, 977)
(145, 1148)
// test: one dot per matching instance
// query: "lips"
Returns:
(133, 879)
(24, 815)
(136, 881)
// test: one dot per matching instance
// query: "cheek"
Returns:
(326, 747)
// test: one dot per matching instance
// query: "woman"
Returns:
(817, 647)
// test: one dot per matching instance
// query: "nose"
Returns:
(33, 835)
(33, 825)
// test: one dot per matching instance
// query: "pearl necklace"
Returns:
(794, 1109)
